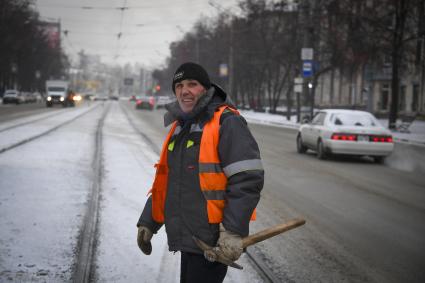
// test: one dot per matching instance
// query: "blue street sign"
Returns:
(307, 68)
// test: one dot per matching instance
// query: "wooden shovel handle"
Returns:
(271, 232)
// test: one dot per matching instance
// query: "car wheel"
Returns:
(379, 159)
(301, 148)
(321, 152)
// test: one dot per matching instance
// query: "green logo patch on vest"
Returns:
(189, 143)
(171, 146)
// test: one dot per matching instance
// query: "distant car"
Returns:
(145, 102)
(29, 97)
(38, 96)
(347, 132)
(70, 99)
(161, 101)
(13, 96)
(100, 98)
(88, 96)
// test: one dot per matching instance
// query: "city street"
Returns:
(333, 93)
(364, 220)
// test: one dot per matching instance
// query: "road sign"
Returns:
(298, 88)
(306, 53)
(223, 70)
(298, 84)
(307, 68)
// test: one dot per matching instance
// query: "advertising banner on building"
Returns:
(51, 30)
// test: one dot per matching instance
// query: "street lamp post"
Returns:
(231, 55)
(311, 93)
(14, 72)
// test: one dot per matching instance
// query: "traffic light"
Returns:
(157, 88)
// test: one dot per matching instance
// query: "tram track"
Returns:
(30, 122)
(32, 137)
(84, 271)
(84, 259)
(265, 273)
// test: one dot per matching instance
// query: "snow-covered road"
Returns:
(44, 190)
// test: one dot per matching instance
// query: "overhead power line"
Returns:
(155, 5)
(120, 30)
(95, 7)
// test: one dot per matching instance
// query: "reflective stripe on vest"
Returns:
(212, 178)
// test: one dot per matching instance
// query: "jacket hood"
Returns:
(219, 92)
(204, 108)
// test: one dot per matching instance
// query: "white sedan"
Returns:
(350, 132)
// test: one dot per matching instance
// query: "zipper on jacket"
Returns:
(181, 146)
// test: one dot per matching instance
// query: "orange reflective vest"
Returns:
(212, 180)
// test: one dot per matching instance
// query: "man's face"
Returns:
(188, 92)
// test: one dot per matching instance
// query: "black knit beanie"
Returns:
(191, 71)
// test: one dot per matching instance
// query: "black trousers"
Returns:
(195, 268)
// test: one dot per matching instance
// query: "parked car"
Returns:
(29, 97)
(38, 96)
(145, 102)
(13, 96)
(348, 132)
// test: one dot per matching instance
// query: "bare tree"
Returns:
(24, 50)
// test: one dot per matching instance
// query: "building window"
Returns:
(385, 93)
(415, 98)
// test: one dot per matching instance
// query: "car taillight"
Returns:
(381, 139)
(151, 101)
(138, 101)
(344, 137)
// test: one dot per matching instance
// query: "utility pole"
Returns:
(197, 49)
(231, 47)
(400, 13)
(307, 54)
(231, 63)
(421, 53)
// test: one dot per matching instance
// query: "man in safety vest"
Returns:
(208, 179)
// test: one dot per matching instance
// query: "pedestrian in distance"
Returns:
(208, 179)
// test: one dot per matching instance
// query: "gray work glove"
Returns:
(229, 244)
(144, 236)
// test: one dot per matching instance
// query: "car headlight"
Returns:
(62, 99)
(49, 98)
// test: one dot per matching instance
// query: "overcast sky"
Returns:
(147, 26)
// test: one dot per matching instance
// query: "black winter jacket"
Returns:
(185, 205)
